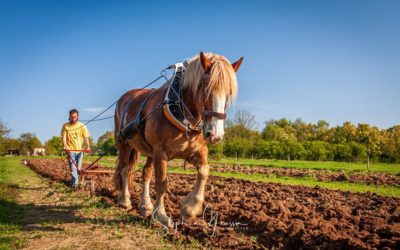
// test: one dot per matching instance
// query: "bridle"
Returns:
(201, 125)
(205, 114)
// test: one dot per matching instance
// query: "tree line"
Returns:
(22, 145)
(299, 140)
(278, 139)
(26, 142)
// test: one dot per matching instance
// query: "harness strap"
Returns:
(173, 106)
(218, 115)
(135, 125)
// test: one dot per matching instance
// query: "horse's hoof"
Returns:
(191, 211)
(146, 211)
(124, 204)
(164, 219)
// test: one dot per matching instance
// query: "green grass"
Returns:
(323, 165)
(10, 213)
(394, 191)
(109, 161)
(383, 190)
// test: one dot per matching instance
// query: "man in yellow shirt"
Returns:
(74, 134)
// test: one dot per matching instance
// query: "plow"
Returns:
(88, 174)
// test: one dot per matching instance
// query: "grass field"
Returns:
(385, 190)
(17, 181)
(323, 165)
(11, 172)
(37, 213)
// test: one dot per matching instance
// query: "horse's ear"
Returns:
(204, 61)
(237, 64)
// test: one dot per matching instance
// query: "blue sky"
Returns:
(332, 60)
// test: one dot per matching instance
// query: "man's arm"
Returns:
(64, 138)
(87, 143)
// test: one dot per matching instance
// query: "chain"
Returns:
(163, 74)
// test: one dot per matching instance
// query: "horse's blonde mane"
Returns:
(222, 76)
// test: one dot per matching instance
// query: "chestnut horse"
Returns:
(208, 85)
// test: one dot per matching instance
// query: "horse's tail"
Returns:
(133, 162)
(117, 178)
(122, 170)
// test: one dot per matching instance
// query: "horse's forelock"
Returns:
(222, 76)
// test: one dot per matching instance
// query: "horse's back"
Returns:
(128, 105)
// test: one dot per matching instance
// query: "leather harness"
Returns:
(173, 109)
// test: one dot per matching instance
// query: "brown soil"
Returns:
(322, 175)
(244, 214)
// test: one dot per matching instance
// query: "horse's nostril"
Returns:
(208, 134)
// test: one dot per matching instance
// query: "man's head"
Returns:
(73, 115)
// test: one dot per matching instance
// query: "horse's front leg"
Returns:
(159, 214)
(192, 204)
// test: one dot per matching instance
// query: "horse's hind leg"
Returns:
(146, 207)
(126, 163)
(159, 214)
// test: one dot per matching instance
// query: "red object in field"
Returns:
(73, 161)
(78, 150)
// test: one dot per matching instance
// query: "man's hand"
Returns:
(64, 143)
(87, 144)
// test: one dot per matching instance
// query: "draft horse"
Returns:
(207, 85)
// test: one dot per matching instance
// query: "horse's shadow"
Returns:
(33, 217)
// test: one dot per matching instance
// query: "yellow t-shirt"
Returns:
(75, 134)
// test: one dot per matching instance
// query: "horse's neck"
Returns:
(193, 103)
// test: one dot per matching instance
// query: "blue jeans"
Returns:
(75, 163)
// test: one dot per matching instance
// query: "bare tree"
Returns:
(4, 130)
(246, 119)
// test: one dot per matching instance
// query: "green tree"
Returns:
(343, 152)
(54, 146)
(344, 134)
(370, 137)
(28, 141)
(391, 146)
(11, 145)
(304, 131)
(216, 150)
(278, 130)
(317, 150)
(104, 137)
(106, 144)
(292, 150)
(4, 131)
(322, 131)
(358, 152)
